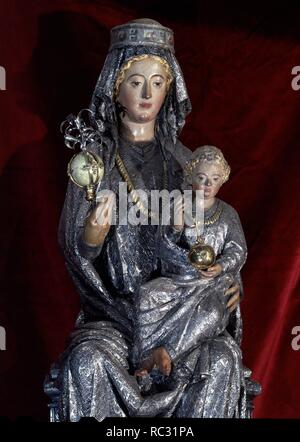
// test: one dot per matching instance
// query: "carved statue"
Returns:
(139, 107)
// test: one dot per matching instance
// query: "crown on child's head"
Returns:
(208, 154)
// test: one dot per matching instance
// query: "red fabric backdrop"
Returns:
(237, 63)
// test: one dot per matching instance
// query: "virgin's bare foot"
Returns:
(141, 372)
(162, 360)
(146, 366)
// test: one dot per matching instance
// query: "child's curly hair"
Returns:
(207, 154)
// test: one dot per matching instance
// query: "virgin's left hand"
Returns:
(235, 297)
(212, 271)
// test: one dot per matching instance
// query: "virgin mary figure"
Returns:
(139, 107)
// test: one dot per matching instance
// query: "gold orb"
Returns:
(202, 256)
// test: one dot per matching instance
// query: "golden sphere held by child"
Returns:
(202, 256)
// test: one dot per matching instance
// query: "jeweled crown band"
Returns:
(142, 34)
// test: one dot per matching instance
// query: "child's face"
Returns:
(207, 177)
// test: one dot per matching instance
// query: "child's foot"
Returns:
(160, 358)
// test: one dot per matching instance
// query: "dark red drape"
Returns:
(237, 63)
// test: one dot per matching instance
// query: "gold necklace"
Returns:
(212, 219)
(134, 194)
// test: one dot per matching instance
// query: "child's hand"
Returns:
(212, 271)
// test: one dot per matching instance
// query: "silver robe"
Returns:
(96, 370)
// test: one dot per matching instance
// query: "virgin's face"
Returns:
(207, 177)
(143, 90)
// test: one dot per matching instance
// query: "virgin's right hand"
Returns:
(98, 223)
